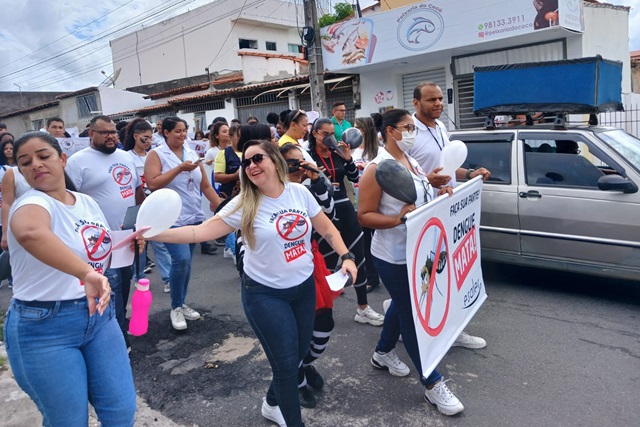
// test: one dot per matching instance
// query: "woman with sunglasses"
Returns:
(322, 147)
(385, 214)
(295, 126)
(174, 165)
(137, 142)
(278, 289)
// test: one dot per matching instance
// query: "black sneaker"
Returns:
(207, 249)
(314, 379)
(222, 241)
(307, 399)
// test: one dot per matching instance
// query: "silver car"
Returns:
(560, 199)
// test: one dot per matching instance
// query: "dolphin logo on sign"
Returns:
(420, 29)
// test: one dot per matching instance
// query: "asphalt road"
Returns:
(563, 350)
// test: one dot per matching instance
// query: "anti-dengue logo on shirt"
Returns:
(122, 176)
(97, 244)
(292, 226)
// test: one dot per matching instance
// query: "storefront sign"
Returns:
(439, 25)
(445, 277)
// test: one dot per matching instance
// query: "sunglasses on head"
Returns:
(295, 116)
(256, 158)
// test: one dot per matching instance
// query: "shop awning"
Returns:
(304, 86)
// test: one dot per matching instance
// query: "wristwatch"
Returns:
(348, 255)
(469, 171)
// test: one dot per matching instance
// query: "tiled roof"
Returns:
(78, 92)
(30, 109)
(236, 77)
(149, 109)
(247, 88)
(292, 57)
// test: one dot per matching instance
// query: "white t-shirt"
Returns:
(110, 179)
(427, 150)
(138, 161)
(211, 153)
(282, 256)
(19, 182)
(389, 244)
(156, 140)
(186, 184)
(82, 227)
(2, 170)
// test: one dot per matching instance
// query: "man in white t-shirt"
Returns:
(432, 136)
(109, 176)
(158, 139)
(431, 139)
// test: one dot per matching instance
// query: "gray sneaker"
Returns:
(390, 361)
(190, 313)
(177, 319)
(166, 287)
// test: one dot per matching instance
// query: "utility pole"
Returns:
(314, 49)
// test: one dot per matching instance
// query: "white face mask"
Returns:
(407, 142)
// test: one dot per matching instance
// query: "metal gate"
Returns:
(259, 107)
(410, 81)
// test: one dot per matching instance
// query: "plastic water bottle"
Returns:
(140, 304)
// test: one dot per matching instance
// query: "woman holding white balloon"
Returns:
(385, 214)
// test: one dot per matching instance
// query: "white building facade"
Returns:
(208, 37)
(441, 41)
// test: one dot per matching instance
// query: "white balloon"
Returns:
(453, 156)
(159, 211)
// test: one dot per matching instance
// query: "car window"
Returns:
(562, 163)
(627, 145)
(493, 155)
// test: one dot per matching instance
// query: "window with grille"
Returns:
(248, 44)
(271, 46)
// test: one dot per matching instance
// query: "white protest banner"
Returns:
(445, 276)
(71, 146)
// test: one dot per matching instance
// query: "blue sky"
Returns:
(47, 44)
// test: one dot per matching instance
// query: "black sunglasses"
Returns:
(256, 158)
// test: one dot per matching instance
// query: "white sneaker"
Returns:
(385, 305)
(189, 313)
(177, 319)
(272, 413)
(469, 341)
(390, 361)
(166, 287)
(228, 253)
(446, 402)
(369, 315)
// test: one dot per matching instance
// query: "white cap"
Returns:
(142, 285)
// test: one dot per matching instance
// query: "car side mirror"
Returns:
(616, 183)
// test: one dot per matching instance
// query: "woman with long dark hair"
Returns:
(379, 211)
(337, 167)
(64, 344)
(362, 155)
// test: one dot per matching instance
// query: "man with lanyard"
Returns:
(431, 138)
(109, 176)
(339, 112)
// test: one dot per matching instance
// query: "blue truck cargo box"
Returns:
(578, 86)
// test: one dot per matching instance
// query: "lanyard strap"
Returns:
(326, 166)
(436, 139)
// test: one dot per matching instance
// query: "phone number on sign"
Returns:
(501, 22)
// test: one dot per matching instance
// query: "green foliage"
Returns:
(343, 10)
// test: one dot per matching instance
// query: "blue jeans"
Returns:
(163, 260)
(283, 322)
(142, 264)
(120, 282)
(63, 359)
(399, 317)
(230, 242)
(181, 256)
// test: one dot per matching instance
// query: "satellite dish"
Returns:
(110, 80)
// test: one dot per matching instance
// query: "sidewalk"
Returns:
(18, 410)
